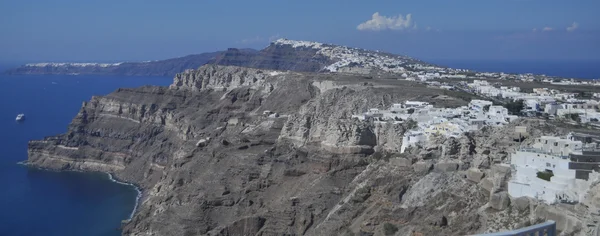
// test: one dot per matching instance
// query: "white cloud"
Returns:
(545, 29)
(573, 27)
(379, 22)
(534, 30)
(428, 28)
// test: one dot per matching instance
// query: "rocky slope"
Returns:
(212, 161)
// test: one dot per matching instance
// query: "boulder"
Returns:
(475, 175)
(499, 201)
(422, 167)
(499, 176)
(202, 142)
(233, 121)
(500, 169)
(446, 166)
(522, 203)
(565, 223)
(487, 185)
(403, 162)
(225, 142)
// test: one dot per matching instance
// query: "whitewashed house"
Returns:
(554, 157)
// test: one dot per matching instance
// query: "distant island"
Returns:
(282, 54)
(167, 67)
(292, 55)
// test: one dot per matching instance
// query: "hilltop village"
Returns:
(553, 169)
(428, 120)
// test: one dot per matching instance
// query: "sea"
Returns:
(40, 202)
(579, 69)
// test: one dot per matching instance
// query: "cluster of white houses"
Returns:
(451, 122)
(549, 101)
(571, 163)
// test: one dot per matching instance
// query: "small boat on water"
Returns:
(20, 117)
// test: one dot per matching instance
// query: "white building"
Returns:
(414, 104)
(552, 156)
(551, 108)
(478, 105)
(579, 108)
(531, 105)
(450, 122)
(412, 138)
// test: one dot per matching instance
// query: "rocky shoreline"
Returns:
(212, 159)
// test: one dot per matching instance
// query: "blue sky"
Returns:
(132, 30)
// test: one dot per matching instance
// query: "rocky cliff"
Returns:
(306, 56)
(228, 150)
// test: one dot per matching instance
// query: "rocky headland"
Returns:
(229, 150)
(281, 54)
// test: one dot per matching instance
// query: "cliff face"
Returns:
(276, 57)
(212, 163)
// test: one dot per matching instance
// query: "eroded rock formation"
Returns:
(211, 162)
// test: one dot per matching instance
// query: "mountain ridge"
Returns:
(281, 54)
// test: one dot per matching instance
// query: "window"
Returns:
(555, 144)
(548, 164)
(566, 145)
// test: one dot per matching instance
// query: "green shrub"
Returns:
(573, 116)
(411, 124)
(514, 107)
(545, 175)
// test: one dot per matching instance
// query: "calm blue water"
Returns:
(582, 69)
(36, 202)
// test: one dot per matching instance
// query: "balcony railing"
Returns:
(547, 228)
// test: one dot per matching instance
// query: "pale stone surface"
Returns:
(487, 185)
(475, 175)
(446, 166)
(422, 167)
(499, 201)
(403, 162)
(522, 203)
(564, 222)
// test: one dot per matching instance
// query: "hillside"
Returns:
(228, 150)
